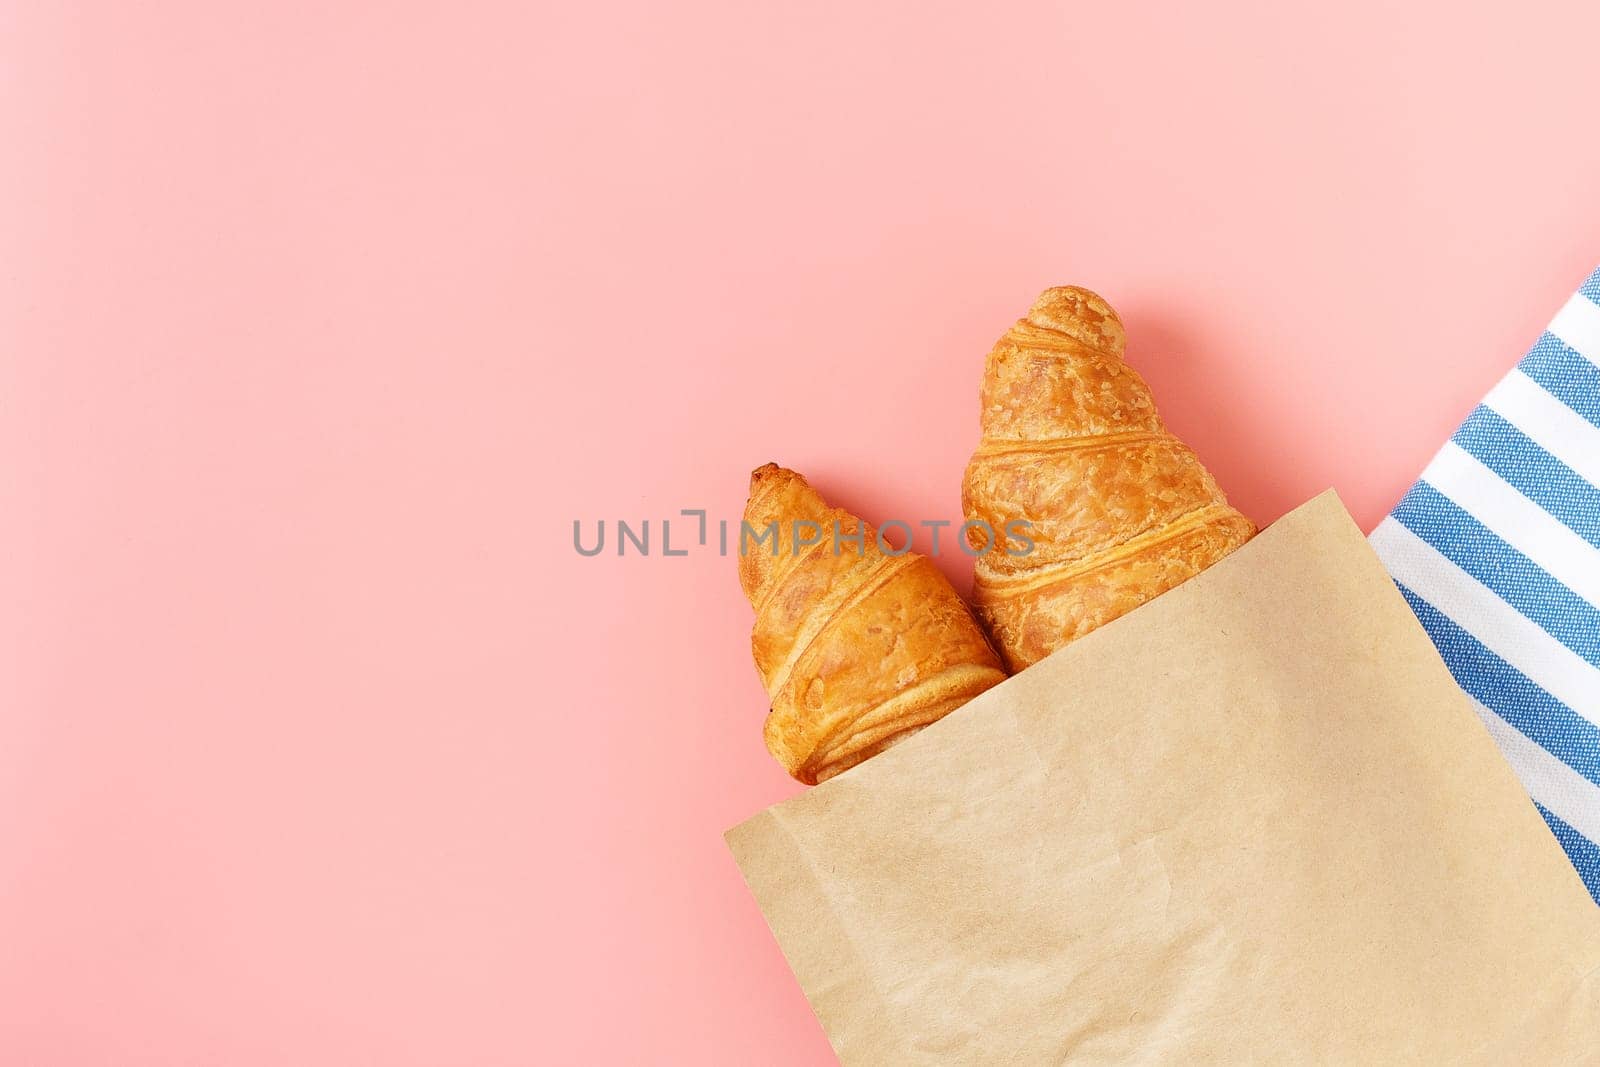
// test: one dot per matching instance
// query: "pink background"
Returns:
(320, 323)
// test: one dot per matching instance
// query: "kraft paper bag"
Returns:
(1254, 821)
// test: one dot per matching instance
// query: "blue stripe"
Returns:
(1532, 471)
(1524, 586)
(1519, 581)
(1591, 288)
(1507, 692)
(1568, 376)
(1584, 854)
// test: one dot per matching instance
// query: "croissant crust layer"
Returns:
(1119, 510)
(858, 648)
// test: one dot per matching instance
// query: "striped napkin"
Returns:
(1497, 549)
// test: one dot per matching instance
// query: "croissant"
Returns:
(1119, 509)
(859, 645)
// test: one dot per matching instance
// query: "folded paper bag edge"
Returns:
(819, 964)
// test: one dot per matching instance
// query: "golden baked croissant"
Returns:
(858, 647)
(1121, 510)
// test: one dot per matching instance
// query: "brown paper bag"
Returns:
(1254, 821)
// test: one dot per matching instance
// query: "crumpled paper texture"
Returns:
(1254, 821)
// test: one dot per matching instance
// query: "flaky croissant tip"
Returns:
(767, 472)
(778, 496)
(769, 482)
(1080, 314)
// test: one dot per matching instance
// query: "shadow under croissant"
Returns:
(1179, 359)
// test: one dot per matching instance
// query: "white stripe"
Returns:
(1570, 796)
(1553, 426)
(1502, 629)
(1516, 520)
(1578, 324)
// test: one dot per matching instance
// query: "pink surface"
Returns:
(319, 325)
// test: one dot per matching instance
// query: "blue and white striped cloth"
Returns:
(1497, 549)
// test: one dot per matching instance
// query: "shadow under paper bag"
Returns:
(1255, 820)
